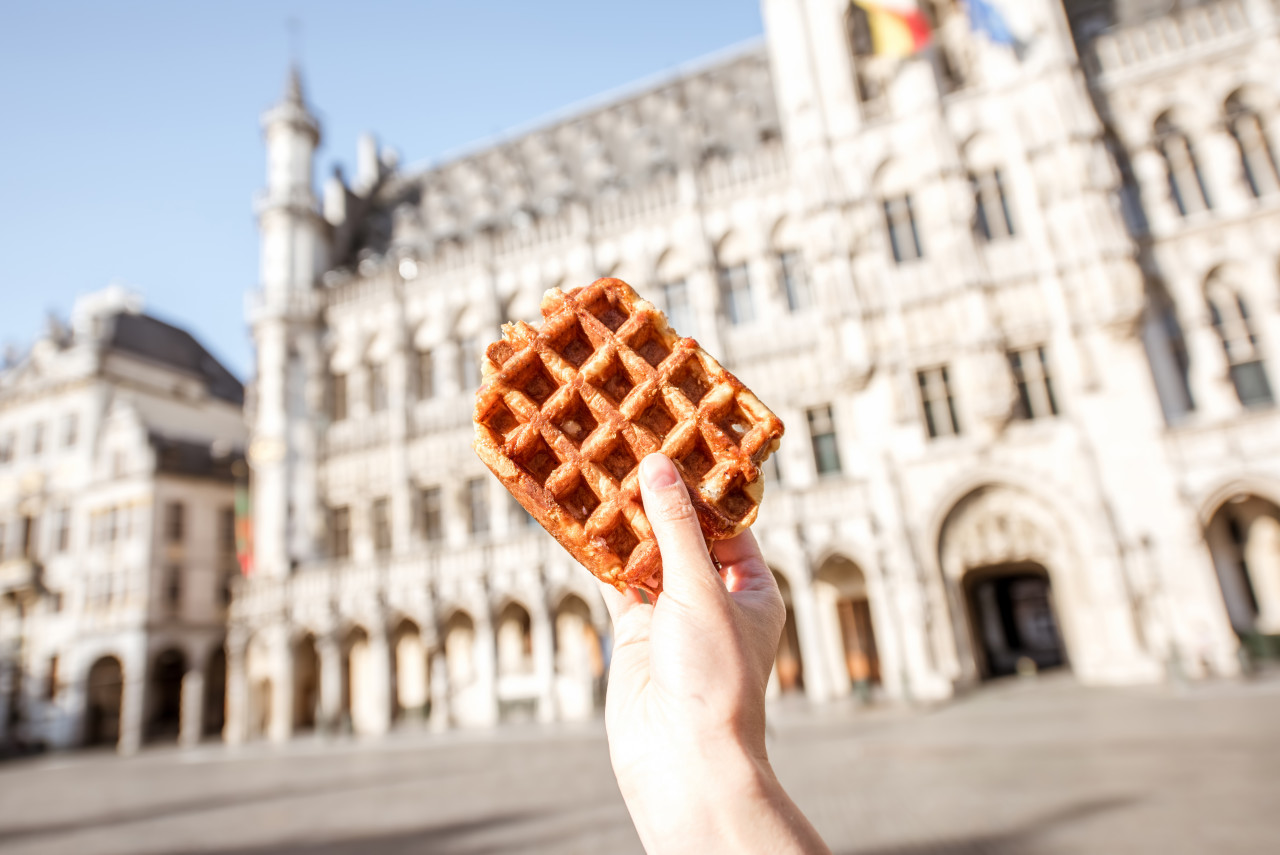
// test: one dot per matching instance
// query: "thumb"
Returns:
(688, 576)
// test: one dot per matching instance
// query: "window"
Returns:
(1257, 160)
(477, 506)
(1186, 184)
(51, 681)
(822, 433)
(37, 438)
(377, 387)
(338, 397)
(1030, 369)
(938, 403)
(2, 541)
(735, 294)
(425, 375)
(468, 364)
(174, 522)
(900, 219)
(6, 447)
(224, 589)
(429, 509)
(381, 525)
(173, 588)
(991, 207)
(520, 518)
(675, 297)
(70, 430)
(30, 533)
(62, 541)
(795, 284)
(227, 530)
(340, 532)
(1244, 358)
(112, 520)
(773, 470)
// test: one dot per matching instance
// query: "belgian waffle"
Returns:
(565, 413)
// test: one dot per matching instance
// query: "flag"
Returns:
(898, 28)
(985, 18)
(244, 528)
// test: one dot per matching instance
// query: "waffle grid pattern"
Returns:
(566, 412)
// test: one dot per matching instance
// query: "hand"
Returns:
(685, 707)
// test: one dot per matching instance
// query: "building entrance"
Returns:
(1012, 619)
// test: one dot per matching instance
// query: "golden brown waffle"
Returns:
(564, 414)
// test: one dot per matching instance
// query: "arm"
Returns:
(685, 707)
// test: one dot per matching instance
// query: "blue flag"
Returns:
(985, 18)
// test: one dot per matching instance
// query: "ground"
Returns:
(1021, 767)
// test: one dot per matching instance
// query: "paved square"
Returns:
(1042, 767)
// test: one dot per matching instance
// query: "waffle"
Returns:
(565, 413)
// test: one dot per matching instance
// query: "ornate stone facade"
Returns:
(118, 437)
(974, 283)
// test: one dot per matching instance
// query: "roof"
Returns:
(1089, 17)
(722, 109)
(158, 341)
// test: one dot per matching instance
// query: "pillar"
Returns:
(191, 721)
(544, 663)
(329, 652)
(132, 703)
(486, 672)
(236, 729)
(439, 721)
(817, 673)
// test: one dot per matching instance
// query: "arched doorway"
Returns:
(259, 671)
(215, 692)
(104, 689)
(466, 704)
(1012, 619)
(841, 590)
(165, 689)
(788, 666)
(579, 660)
(412, 672)
(358, 694)
(517, 690)
(306, 684)
(1244, 540)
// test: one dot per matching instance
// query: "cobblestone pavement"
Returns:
(1041, 767)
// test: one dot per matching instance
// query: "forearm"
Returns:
(732, 803)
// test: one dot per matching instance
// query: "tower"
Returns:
(284, 317)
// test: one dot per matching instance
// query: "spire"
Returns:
(293, 87)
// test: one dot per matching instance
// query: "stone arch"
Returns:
(846, 624)
(579, 658)
(411, 668)
(357, 679)
(104, 692)
(306, 683)
(1001, 550)
(164, 694)
(732, 248)
(459, 642)
(1243, 535)
(788, 666)
(1172, 138)
(514, 638)
(1232, 313)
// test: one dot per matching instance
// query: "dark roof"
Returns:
(1089, 16)
(195, 459)
(151, 338)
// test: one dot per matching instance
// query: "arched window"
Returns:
(868, 83)
(1186, 184)
(1231, 319)
(1256, 156)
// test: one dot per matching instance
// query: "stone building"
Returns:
(117, 439)
(1017, 304)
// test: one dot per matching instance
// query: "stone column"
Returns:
(191, 725)
(544, 663)
(133, 703)
(379, 683)
(439, 721)
(236, 729)
(486, 672)
(329, 651)
(280, 728)
(817, 682)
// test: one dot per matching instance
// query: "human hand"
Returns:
(685, 707)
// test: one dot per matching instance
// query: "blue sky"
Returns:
(129, 130)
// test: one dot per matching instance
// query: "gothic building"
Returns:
(118, 437)
(1017, 301)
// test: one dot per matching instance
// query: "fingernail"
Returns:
(658, 472)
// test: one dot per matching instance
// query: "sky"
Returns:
(130, 148)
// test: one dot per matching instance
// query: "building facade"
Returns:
(118, 436)
(1017, 303)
